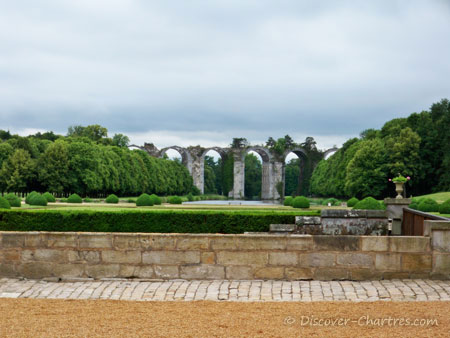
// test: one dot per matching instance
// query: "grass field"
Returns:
(438, 197)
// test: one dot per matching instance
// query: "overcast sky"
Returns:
(202, 72)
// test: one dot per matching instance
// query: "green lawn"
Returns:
(438, 197)
(175, 207)
(102, 206)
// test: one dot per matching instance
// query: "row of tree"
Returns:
(85, 162)
(417, 146)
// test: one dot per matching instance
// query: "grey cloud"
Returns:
(274, 67)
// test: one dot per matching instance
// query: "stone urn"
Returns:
(399, 189)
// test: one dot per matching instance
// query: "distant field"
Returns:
(438, 197)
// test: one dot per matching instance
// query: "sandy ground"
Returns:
(78, 318)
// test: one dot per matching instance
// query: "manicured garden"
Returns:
(146, 220)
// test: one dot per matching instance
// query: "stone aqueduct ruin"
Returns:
(273, 165)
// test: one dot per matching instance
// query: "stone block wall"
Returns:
(206, 256)
(344, 222)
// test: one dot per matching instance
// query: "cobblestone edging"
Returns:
(226, 290)
(215, 257)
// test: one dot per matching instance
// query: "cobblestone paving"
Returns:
(225, 290)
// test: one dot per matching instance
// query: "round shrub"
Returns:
(288, 201)
(300, 202)
(4, 204)
(415, 203)
(414, 206)
(144, 200)
(332, 201)
(49, 197)
(38, 199)
(175, 200)
(29, 196)
(131, 200)
(352, 202)
(74, 198)
(428, 205)
(87, 200)
(444, 208)
(13, 200)
(190, 197)
(156, 199)
(369, 203)
(113, 199)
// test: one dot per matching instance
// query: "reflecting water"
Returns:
(234, 202)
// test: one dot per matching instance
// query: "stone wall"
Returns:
(344, 222)
(191, 256)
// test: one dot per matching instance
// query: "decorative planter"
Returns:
(399, 189)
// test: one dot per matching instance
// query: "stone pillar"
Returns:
(394, 209)
(238, 178)
(277, 175)
(266, 178)
(188, 163)
(198, 173)
(439, 231)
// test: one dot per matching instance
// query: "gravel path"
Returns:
(225, 290)
(108, 318)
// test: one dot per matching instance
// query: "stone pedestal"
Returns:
(394, 209)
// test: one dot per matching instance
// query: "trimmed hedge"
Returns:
(175, 200)
(74, 198)
(288, 201)
(444, 208)
(13, 200)
(38, 199)
(300, 202)
(369, 203)
(334, 202)
(161, 221)
(4, 204)
(156, 199)
(352, 202)
(112, 199)
(428, 205)
(144, 201)
(49, 197)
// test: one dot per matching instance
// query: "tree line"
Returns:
(86, 162)
(417, 146)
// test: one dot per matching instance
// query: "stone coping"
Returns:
(397, 201)
(430, 225)
(167, 234)
(340, 213)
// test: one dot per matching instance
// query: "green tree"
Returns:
(120, 140)
(367, 172)
(403, 152)
(253, 171)
(18, 171)
(291, 177)
(94, 132)
(53, 167)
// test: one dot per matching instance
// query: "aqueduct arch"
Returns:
(273, 166)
